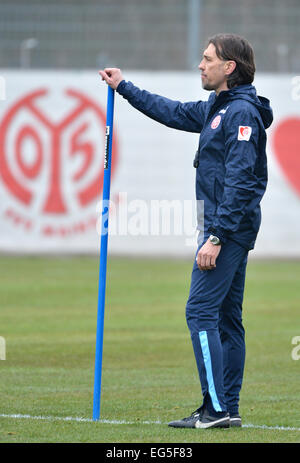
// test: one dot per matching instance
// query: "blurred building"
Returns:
(143, 35)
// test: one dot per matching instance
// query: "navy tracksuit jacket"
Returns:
(231, 178)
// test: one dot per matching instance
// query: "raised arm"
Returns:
(181, 116)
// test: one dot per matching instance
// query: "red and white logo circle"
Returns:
(51, 161)
(216, 122)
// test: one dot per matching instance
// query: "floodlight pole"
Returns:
(26, 47)
(193, 43)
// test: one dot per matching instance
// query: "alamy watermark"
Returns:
(2, 88)
(2, 348)
(296, 350)
(295, 93)
(154, 217)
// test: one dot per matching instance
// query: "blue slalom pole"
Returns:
(103, 253)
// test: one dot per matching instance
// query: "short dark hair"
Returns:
(232, 47)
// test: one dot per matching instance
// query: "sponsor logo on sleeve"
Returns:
(244, 132)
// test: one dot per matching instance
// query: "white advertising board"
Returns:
(52, 130)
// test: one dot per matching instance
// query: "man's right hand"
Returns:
(112, 76)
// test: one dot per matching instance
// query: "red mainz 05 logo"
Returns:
(52, 172)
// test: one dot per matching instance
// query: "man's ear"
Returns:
(229, 67)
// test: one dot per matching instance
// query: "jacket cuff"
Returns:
(121, 87)
(221, 234)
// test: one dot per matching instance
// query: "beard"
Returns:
(207, 86)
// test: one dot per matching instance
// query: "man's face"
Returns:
(214, 71)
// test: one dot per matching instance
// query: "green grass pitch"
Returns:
(48, 319)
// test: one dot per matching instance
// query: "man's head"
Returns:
(227, 61)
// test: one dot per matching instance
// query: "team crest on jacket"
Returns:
(216, 122)
(244, 132)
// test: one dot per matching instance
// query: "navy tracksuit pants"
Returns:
(214, 318)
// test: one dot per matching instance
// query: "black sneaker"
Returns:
(188, 422)
(235, 421)
(213, 421)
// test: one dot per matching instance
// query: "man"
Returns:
(231, 178)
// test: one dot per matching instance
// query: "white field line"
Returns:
(89, 420)
(74, 418)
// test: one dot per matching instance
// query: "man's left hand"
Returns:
(207, 256)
